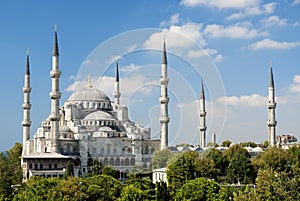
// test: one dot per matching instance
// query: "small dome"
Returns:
(88, 94)
(99, 115)
(249, 149)
(64, 129)
(105, 128)
(258, 149)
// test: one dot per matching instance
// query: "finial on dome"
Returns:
(89, 85)
(138, 122)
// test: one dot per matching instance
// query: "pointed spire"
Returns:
(164, 54)
(271, 75)
(89, 85)
(117, 71)
(55, 45)
(27, 71)
(202, 92)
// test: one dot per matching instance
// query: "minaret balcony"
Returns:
(26, 89)
(164, 119)
(55, 95)
(117, 94)
(26, 106)
(202, 128)
(271, 104)
(55, 74)
(53, 117)
(26, 122)
(164, 99)
(272, 123)
(202, 113)
(164, 80)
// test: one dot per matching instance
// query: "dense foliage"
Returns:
(191, 175)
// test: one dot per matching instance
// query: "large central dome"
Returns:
(88, 94)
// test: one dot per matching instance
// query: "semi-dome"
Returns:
(64, 129)
(89, 94)
(99, 115)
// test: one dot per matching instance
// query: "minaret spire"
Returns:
(117, 93)
(202, 125)
(271, 111)
(55, 96)
(26, 106)
(164, 100)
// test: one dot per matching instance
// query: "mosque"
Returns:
(89, 127)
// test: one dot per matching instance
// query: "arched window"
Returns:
(90, 162)
(132, 162)
(126, 162)
(108, 148)
(111, 161)
(105, 161)
(115, 150)
(117, 161)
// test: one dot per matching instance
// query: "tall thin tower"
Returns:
(271, 111)
(164, 118)
(117, 93)
(202, 125)
(26, 106)
(55, 95)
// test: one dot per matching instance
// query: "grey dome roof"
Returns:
(89, 94)
(99, 115)
(64, 129)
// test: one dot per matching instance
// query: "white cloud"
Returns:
(255, 10)
(221, 4)
(295, 87)
(274, 20)
(232, 31)
(129, 68)
(253, 100)
(200, 53)
(174, 19)
(71, 77)
(271, 44)
(296, 2)
(113, 59)
(218, 58)
(174, 36)
(131, 48)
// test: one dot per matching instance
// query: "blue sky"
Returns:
(240, 36)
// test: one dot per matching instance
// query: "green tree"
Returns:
(248, 144)
(10, 171)
(198, 189)
(205, 167)
(108, 170)
(162, 193)
(240, 170)
(180, 169)
(131, 193)
(160, 158)
(36, 188)
(220, 161)
(272, 158)
(235, 150)
(102, 187)
(226, 143)
(144, 184)
(69, 170)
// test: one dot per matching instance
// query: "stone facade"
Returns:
(87, 127)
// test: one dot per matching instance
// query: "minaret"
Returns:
(55, 96)
(117, 93)
(26, 106)
(202, 125)
(164, 100)
(271, 110)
